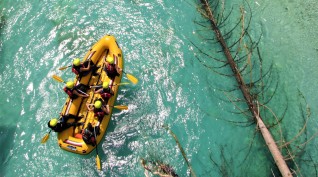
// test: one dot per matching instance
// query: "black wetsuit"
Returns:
(89, 136)
(62, 123)
(111, 71)
(106, 94)
(83, 88)
(76, 69)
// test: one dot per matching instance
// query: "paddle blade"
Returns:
(57, 78)
(98, 165)
(45, 138)
(132, 78)
(64, 67)
(121, 107)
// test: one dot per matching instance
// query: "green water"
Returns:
(174, 89)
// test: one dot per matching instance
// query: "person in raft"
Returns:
(105, 92)
(88, 135)
(111, 68)
(59, 125)
(75, 91)
(82, 69)
(99, 109)
(158, 168)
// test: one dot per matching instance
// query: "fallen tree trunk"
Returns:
(279, 160)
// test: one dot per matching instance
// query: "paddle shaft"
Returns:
(96, 86)
(97, 157)
(81, 91)
(46, 137)
(95, 140)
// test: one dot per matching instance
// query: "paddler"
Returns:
(99, 109)
(105, 92)
(88, 135)
(75, 91)
(82, 69)
(111, 68)
(61, 124)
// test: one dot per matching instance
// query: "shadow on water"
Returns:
(2, 20)
(2, 25)
(6, 137)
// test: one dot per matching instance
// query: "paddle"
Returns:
(124, 83)
(130, 77)
(46, 137)
(59, 79)
(97, 157)
(89, 58)
(120, 107)
(64, 67)
(82, 92)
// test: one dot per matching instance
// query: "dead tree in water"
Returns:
(233, 46)
(249, 99)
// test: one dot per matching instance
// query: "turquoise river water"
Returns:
(38, 37)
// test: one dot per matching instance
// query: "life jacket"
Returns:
(99, 112)
(111, 69)
(105, 93)
(76, 69)
(88, 137)
(68, 91)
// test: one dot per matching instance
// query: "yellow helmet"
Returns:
(98, 104)
(76, 62)
(105, 84)
(70, 84)
(110, 60)
(53, 122)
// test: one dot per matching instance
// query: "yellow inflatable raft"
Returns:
(71, 138)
